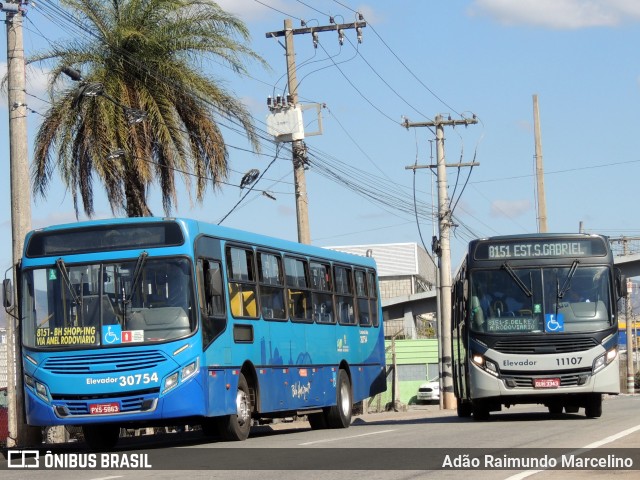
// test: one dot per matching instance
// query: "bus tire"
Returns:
(555, 408)
(480, 410)
(464, 409)
(210, 427)
(101, 437)
(318, 421)
(593, 408)
(236, 427)
(339, 416)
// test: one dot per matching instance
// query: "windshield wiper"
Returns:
(67, 281)
(136, 274)
(567, 282)
(516, 279)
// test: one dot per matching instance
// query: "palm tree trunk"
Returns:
(135, 195)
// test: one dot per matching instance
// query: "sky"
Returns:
(417, 59)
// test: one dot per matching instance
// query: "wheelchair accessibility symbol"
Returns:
(554, 323)
(111, 334)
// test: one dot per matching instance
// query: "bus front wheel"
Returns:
(593, 408)
(101, 437)
(339, 416)
(480, 410)
(464, 409)
(236, 426)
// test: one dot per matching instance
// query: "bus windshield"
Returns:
(107, 304)
(540, 300)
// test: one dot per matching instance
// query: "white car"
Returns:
(429, 392)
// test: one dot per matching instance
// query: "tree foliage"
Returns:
(140, 56)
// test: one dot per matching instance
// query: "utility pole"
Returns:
(298, 146)
(542, 199)
(19, 433)
(628, 316)
(443, 249)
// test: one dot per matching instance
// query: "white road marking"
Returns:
(345, 438)
(599, 443)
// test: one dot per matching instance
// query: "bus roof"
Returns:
(193, 228)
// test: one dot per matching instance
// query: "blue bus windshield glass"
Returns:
(107, 304)
(541, 300)
(104, 238)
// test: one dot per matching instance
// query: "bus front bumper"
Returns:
(485, 385)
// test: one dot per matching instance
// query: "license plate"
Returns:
(103, 408)
(546, 382)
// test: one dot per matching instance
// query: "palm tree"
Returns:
(140, 57)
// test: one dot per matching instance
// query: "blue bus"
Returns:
(138, 322)
(535, 321)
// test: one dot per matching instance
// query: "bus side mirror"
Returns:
(7, 293)
(621, 284)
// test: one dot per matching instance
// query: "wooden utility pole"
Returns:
(542, 200)
(298, 146)
(19, 433)
(443, 251)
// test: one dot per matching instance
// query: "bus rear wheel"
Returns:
(317, 421)
(101, 437)
(339, 416)
(236, 427)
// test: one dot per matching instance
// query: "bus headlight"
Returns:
(180, 376)
(41, 390)
(485, 364)
(170, 382)
(189, 371)
(605, 359)
(36, 386)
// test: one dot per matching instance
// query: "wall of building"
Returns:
(391, 287)
(417, 362)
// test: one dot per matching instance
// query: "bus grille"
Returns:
(545, 345)
(570, 379)
(104, 362)
(74, 404)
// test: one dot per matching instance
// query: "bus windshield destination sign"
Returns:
(540, 249)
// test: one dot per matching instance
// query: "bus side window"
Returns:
(210, 298)
(213, 293)
(297, 275)
(344, 295)
(322, 296)
(271, 286)
(373, 295)
(242, 282)
(363, 298)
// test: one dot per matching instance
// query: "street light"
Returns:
(94, 89)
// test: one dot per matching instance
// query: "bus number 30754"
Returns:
(568, 361)
(137, 379)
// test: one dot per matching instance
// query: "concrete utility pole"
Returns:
(19, 433)
(443, 250)
(298, 146)
(542, 199)
(628, 316)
